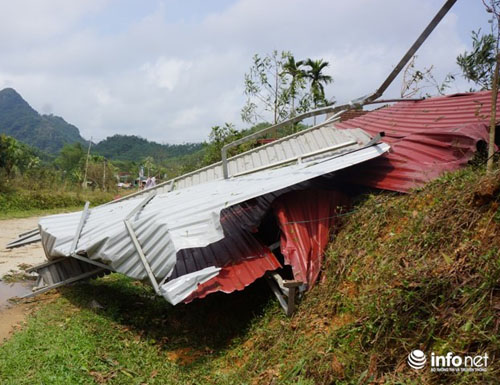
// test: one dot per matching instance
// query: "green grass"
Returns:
(135, 338)
(405, 271)
(22, 203)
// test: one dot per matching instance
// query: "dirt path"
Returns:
(29, 254)
(13, 315)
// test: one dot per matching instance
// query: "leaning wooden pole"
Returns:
(493, 118)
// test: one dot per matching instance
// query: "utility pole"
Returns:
(87, 165)
(104, 176)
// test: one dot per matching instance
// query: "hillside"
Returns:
(416, 271)
(48, 133)
(134, 148)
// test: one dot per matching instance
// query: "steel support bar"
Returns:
(92, 262)
(141, 205)
(73, 254)
(368, 99)
(65, 282)
(298, 158)
(413, 49)
(136, 243)
(143, 258)
(79, 228)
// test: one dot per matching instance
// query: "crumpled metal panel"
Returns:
(239, 243)
(237, 276)
(306, 219)
(178, 289)
(427, 138)
(181, 219)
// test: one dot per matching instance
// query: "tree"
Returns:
(101, 173)
(267, 88)
(482, 66)
(15, 155)
(478, 65)
(318, 80)
(297, 83)
(414, 81)
(149, 164)
(277, 84)
(219, 136)
(70, 157)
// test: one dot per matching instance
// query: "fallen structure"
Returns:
(187, 236)
(202, 233)
(268, 211)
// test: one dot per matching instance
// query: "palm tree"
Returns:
(293, 68)
(318, 81)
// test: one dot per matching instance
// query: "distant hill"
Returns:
(134, 148)
(48, 133)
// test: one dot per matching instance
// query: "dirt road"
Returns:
(29, 254)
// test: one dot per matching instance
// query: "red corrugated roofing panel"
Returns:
(427, 137)
(237, 276)
(306, 218)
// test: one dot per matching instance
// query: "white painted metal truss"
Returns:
(170, 222)
(322, 140)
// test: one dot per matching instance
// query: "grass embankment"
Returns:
(405, 272)
(22, 202)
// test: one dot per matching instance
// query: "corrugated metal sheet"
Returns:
(312, 139)
(427, 138)
(179, 220)
(237, 276)
(306, 219)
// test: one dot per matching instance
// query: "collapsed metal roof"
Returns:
(144, 238)
(195, 234)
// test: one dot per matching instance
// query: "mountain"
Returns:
(48, 133)
(134, 148)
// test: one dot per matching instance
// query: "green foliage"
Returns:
(317, 81)
(46, 132)
(266, 88)
(219, 136)
(21, 202)
(15, 156)
(133, 149)
(296, 90)
(415, 81)
(276, 83)
(101, 173)
(71, 157)
(478, 65)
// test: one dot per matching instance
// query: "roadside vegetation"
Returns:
(404, 272)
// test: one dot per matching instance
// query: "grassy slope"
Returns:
(21, 202)
(405, 272)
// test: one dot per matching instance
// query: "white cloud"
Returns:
(166, 73)
(171, 80)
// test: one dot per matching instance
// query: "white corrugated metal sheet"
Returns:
(177, 220)
(304, 142)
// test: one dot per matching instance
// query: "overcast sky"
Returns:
(169, 70)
